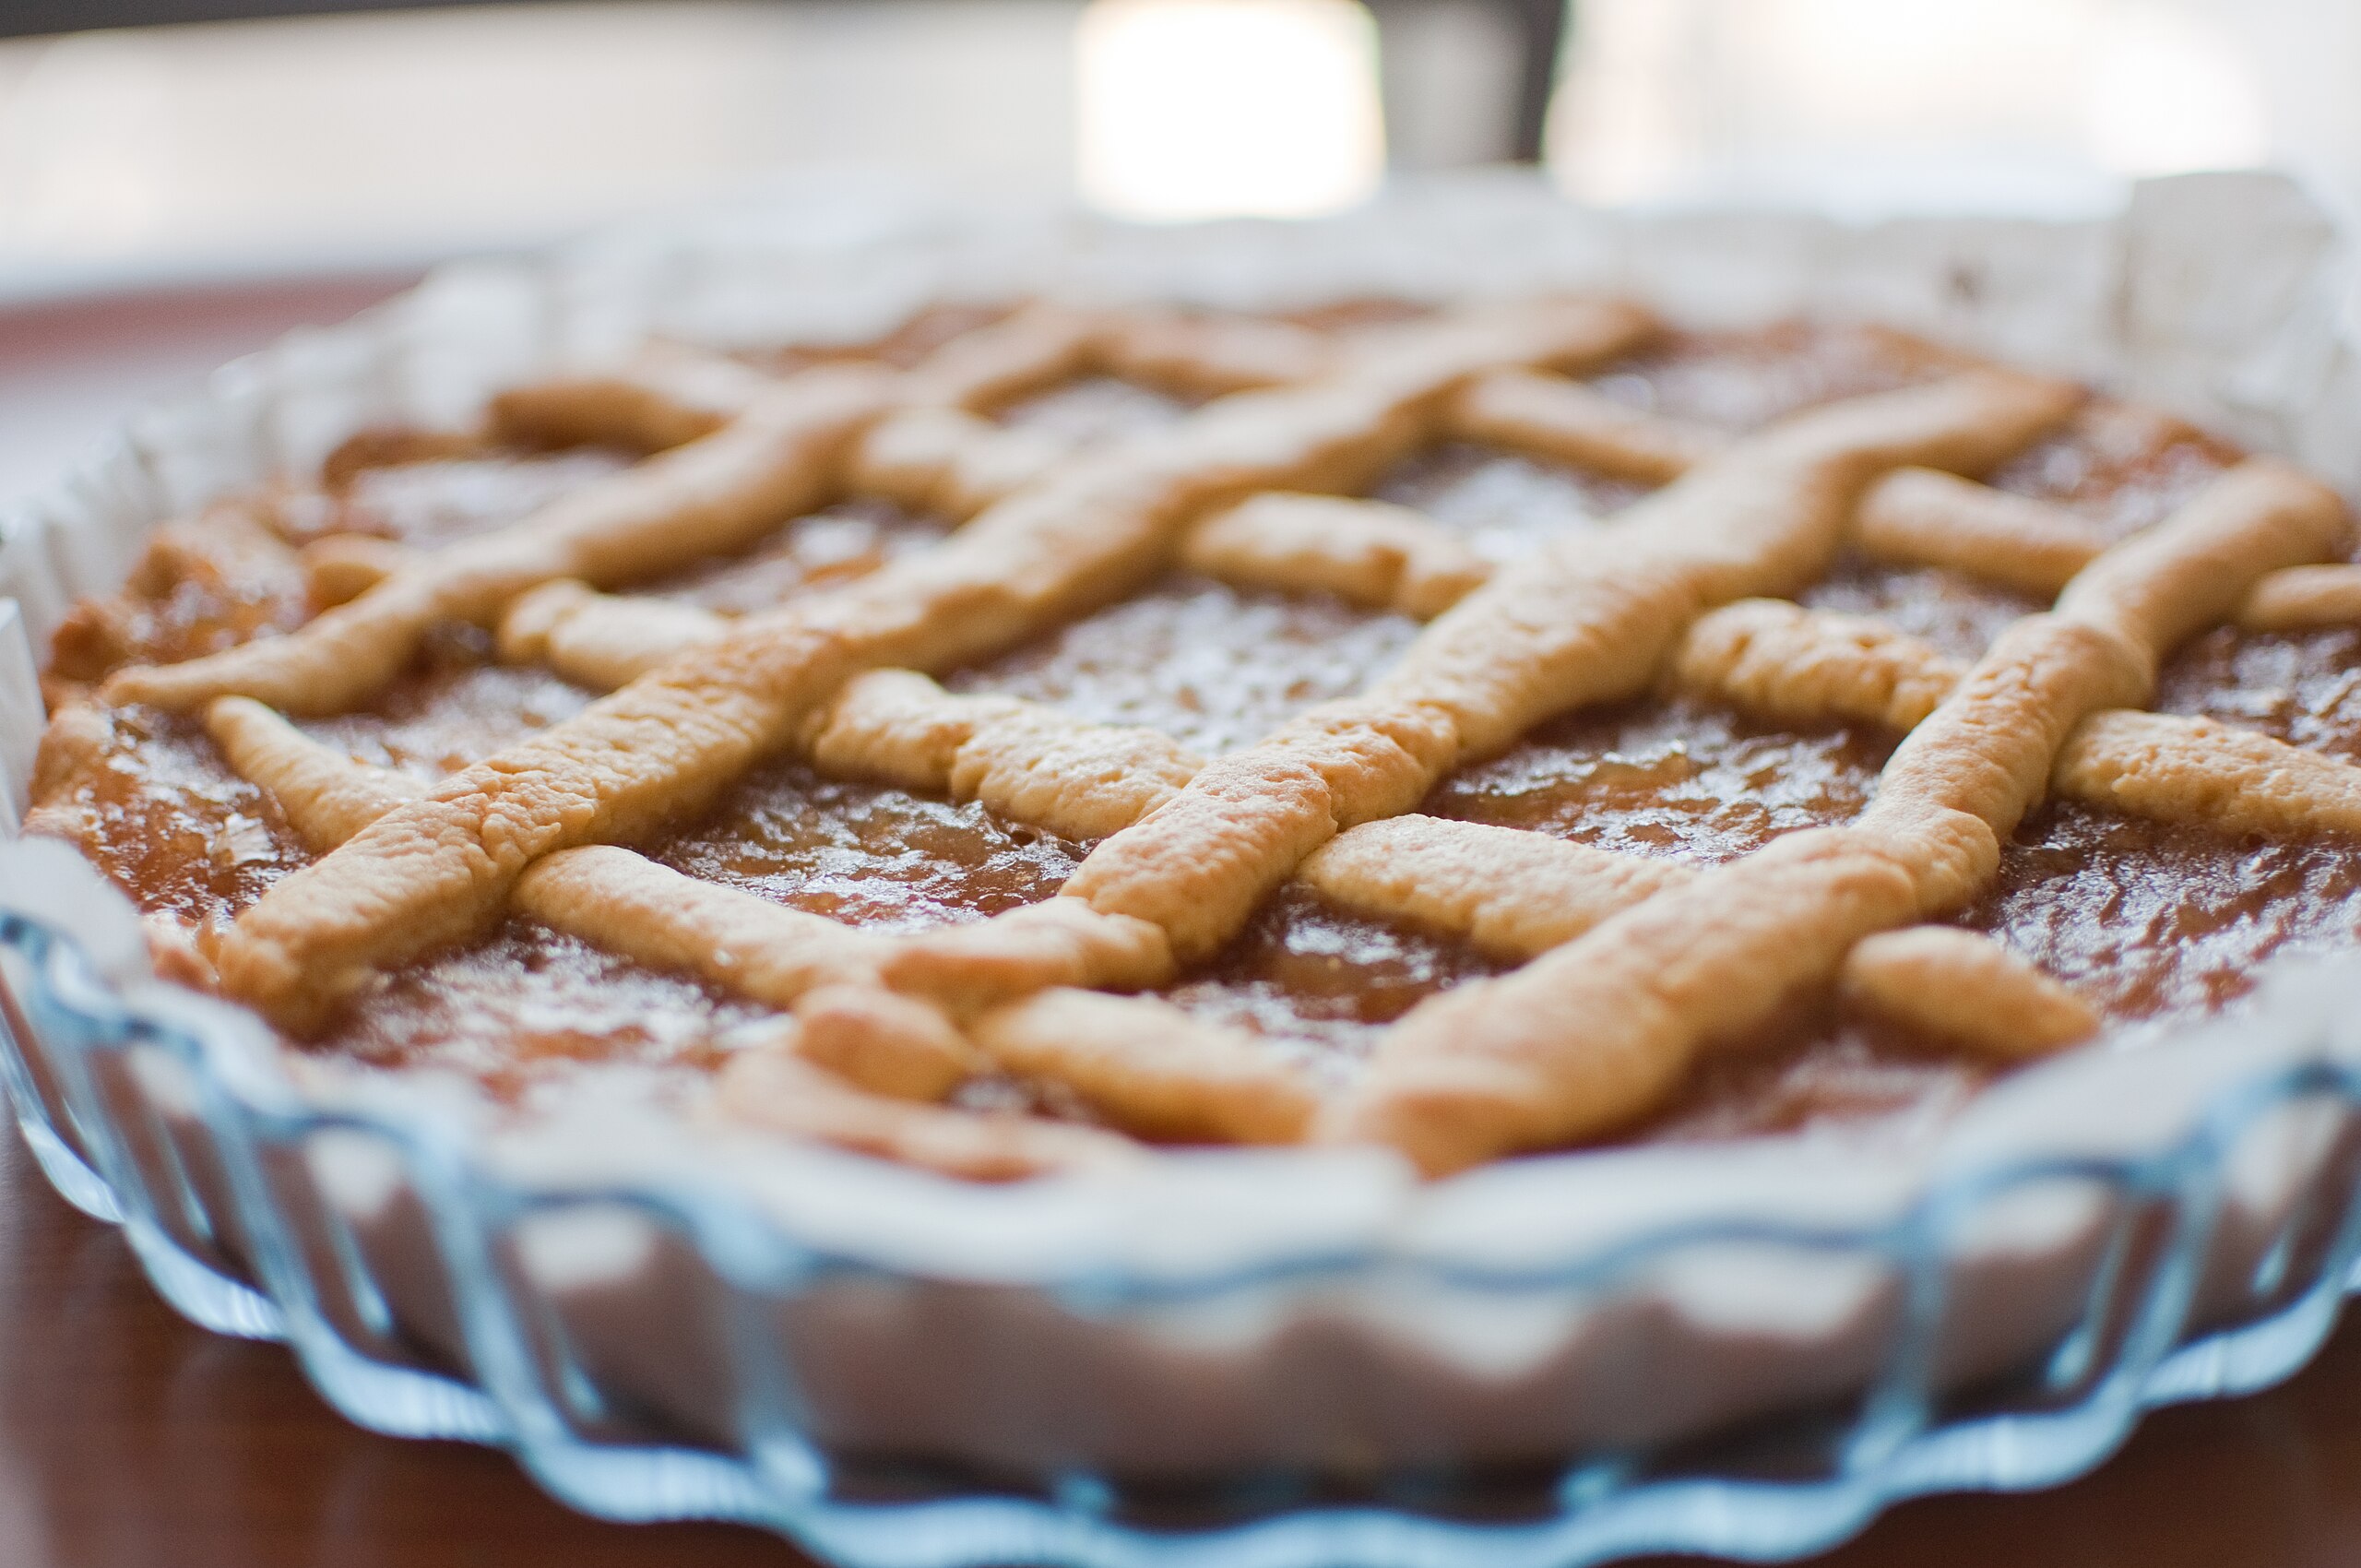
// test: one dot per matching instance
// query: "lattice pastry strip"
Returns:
(1021, 759)
(1516, 895)
(1552, 416)
(937, 452)
(1388, 557)
(861, 1064)
(1492, 1066)
(2208, 773)
(1679, 590)
(1790, 663)
(712, 495)
(1026, 762)
(1092, 952)
(736, 452)
(1770, 656)
(1585, 621)
(1145, 1065)
(437, 870)
(1914, 516)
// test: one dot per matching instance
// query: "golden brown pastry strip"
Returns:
(1206, 356)
(73, 752)
(325, 796)
(660, 747)
(1494, 1065)
(1026, 761)
(1510, 893)
(969, 969)
(777, 1090)
(937, 455)
(1367, 552)
(1553, 416)
(601, 640)
(1963, 987)
(622, 903)
(1585, 621)
(344, 566)
(1149, 1067)
(610, 897)
(626, 903)
(1777, 659)
(1032, 347)
(711, 495)
(1774, 658)
(2208, 774)
(1594, 616)
(886, 1044)
(2302, 598)
(782, 451)
(1767, 655)
(1922, 518)
(669, 394)
(1516, 895)
(616, 772)
(664, 395)
(948, 461)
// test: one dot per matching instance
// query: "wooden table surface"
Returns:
(129, 1439)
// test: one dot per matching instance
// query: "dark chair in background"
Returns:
(1536, 28)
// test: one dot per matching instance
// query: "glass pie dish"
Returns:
(1305, 1355)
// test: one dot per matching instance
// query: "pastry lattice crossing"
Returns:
(887, 826)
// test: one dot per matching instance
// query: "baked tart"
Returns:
(1050, 733)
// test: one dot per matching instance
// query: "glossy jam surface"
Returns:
(456, 708)
(1320, 980)
(1504, 505)
(443, 500)
(867, 854)
(2145, 921)
(156, 809)
(203, 585)
(1740, 380)
(527, 1007)
(847, 541)
(1213, 666)
(1097, 408)
(1675, 777)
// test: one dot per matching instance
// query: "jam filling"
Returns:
(1738, 381)
(2147, 921)
(161, 814)
(868, 854)
(1095, 409)
(527, 1008)
(825, 549)
(1213, 666)
(443, 500)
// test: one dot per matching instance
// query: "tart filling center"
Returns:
(1473, 734)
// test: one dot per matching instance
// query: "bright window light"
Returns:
(1892, 104)
(1212, 108)
(2169, 93)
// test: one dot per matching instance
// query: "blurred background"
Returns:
(182, 145)
(385, 133)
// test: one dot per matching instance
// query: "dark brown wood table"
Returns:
(129, 1439)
